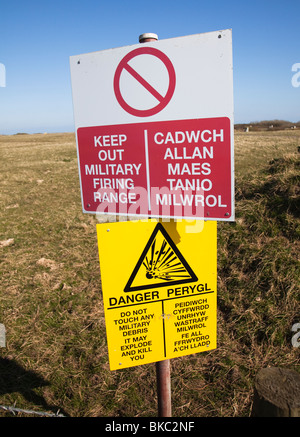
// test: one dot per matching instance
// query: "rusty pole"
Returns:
(163, 377)
(164, 388)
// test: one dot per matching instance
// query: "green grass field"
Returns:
(50, 294)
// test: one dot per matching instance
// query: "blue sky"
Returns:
(38, 37)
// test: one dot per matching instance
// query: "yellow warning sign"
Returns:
(159, 289)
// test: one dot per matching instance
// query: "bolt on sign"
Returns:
(154, 128)
(160, 293)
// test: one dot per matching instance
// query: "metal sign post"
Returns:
(163, 377)
(163, 373)
(163, 149)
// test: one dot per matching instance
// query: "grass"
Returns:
(56, 356)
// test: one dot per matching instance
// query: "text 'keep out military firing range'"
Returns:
(154, 132)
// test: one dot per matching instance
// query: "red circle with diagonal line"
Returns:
(163, 100)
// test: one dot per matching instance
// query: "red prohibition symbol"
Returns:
(162, 100)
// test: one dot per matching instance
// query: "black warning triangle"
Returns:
(160, 264)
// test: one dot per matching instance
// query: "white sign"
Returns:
(120, 95)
